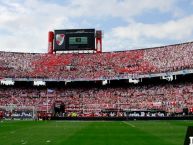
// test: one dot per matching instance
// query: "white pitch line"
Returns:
(130, 124)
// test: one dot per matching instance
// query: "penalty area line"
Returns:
(128, 123)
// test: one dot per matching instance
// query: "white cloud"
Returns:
(28, 21)
(28, 27)
(176, 30)
(112, 43)
(116, 8)
(139, 35)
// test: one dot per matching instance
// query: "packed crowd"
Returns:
(97, 66)
(169, 98)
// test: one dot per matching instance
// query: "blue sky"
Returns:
(127, 24)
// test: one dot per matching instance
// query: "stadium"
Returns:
(75, 80)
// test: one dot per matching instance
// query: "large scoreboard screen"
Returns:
(74, 39)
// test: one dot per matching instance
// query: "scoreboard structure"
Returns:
(75, 40)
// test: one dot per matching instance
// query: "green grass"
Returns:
(93, 133)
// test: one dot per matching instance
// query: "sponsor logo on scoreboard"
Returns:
(60, 39)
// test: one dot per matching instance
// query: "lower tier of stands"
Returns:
(86, 101)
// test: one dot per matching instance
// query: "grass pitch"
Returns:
(93, 133)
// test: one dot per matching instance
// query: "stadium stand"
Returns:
(169, 98)
(94, 101)
(96, 66)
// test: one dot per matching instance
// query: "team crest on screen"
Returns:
(60, 39)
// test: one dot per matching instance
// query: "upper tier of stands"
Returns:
(95, 66)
